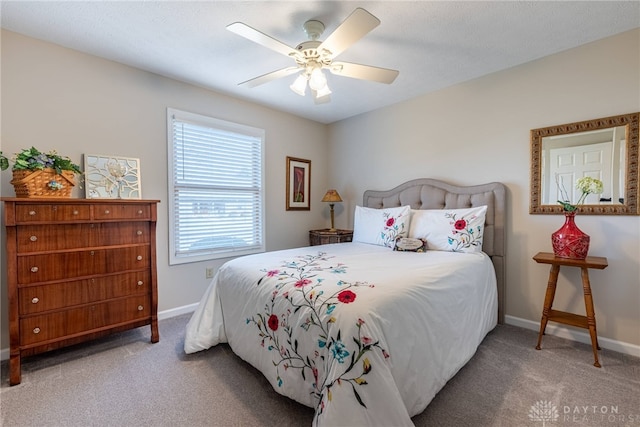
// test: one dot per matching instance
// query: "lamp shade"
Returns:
(317, 80)
(299, 85)
(321, 93)
(331, 196)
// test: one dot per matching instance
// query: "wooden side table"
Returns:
(588, 321)
(326, 236)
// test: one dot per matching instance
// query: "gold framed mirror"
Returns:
(605, 148)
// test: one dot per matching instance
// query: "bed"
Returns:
(364, 332)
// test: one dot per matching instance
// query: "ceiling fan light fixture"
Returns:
(322, 92)
(317, 81)
(299, 85)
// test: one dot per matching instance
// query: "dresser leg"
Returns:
(591, 315)
(548, 301)
(15, 369)
(155, 335)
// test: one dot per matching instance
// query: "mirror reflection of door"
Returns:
(567, 165)
(598, 154)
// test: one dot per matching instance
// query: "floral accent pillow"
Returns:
(452, 230)
(381, 226)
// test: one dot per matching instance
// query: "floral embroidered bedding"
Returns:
(363, 334)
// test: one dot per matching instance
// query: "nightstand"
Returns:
(588, 321)
(326, 236)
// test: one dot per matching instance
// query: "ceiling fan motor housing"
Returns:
(311, 54)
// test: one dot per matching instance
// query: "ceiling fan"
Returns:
(313, 56)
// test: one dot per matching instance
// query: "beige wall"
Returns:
(478, 132)
(56, 98)
(467, 134)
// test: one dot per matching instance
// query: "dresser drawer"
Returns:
(116, 211)
(63, 212)
(37, 238)
(34, 238)
(85, 319)
(71, 264)
(36, 299)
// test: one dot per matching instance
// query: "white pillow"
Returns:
(452, 230)
(381, 226)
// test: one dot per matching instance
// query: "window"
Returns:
(215, 188)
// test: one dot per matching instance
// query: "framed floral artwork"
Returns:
(111, 177)
(298, 184)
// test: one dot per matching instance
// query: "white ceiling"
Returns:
(434, 44)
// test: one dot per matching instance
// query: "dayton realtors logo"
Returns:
(596, 415)
(544, 411)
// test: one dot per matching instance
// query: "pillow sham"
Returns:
(452, 230)
(381, 226)
(409, 244)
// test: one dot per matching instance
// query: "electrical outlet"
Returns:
(209, 273)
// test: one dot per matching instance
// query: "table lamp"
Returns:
(332, 197)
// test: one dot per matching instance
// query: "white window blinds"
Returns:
(216, 188)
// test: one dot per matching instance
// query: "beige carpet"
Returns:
(126, 381)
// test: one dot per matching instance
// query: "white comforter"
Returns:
(363, 334)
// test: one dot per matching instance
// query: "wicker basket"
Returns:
(42, 184)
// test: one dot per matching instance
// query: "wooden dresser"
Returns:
(78, 269)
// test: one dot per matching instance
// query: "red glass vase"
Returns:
(569, 241)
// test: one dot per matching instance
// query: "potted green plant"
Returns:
(38, 174)
(4, 162)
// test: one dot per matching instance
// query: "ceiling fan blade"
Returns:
(265, 78)
(363, 72)
(261, 38)
(352, 29)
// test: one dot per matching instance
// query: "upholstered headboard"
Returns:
(426, 193)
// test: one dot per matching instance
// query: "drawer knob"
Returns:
(75, 212)
(139, 257)
(140, 212)
(34, 269)
(140, 283)
(35, 300)
(106, 212)
(36, 330)
(32, 213)
(139, 232)
(93, 253)
(140, 308)
(33, 238)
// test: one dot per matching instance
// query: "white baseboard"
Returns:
(166, 314)
(552, 329)
(575, 335)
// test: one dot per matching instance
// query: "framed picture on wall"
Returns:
(298, 184)
(111, 177)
